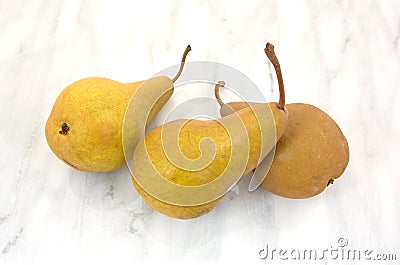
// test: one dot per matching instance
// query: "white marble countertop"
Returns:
(342, 56)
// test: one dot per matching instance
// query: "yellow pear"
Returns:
(84, 128)
(183, 168)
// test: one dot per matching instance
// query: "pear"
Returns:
(309, 156)
(84, 128)
(184, 168)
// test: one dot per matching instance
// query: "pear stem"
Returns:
(330, 181)
(216, 92)
(185, 53)
(269, 51)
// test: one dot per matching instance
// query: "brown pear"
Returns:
(310, 154)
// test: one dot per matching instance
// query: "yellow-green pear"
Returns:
(85, 126)
(184, 168)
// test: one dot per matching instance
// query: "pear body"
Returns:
(84, 128)
(183, 168)
(310, 154)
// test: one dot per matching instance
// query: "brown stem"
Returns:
(269, 51)
(330, 181)
(216, 92)
(185, 53)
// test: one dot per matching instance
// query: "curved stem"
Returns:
(269, 51)
(216, 92)
(185, 53)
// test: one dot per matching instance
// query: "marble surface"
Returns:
(342, 56)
